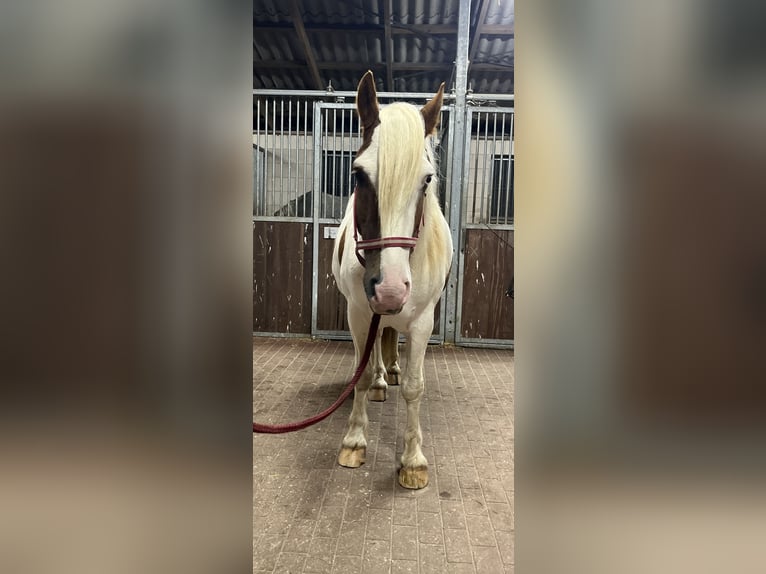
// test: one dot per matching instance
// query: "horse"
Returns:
(392, 257)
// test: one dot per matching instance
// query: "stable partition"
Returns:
(304, 144)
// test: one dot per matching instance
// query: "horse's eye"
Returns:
(428, 180)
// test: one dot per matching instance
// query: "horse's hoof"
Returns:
(377, 395)
(413, 478)
(352, 457)
(393, 379)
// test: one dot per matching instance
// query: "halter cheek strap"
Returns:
(384, 242)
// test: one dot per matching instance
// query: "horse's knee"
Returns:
(412, 389)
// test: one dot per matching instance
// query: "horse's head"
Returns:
(395, 175)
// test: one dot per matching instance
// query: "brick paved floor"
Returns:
(311, 515)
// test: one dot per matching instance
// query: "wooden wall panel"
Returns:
(437, 318)
(331, 304)
(282, 277)
(487, 310)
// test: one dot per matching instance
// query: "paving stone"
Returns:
(453, 514)
(430, 528)
(432, 559)
(347, 565)
(405, 511)
(321, 555)
(351, 539)
(487, 560)
(329, 521)
(405, 543)
(379, 524)
(501, 516)
(493, 490)
(461, 568)
(480, 531)
(377, 557)
(505, 544)
(290, 563)
(473, 502)
(266, 552)
(457, 544)
(404, 566)
(299, 536)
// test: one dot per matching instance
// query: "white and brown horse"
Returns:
(392, 256)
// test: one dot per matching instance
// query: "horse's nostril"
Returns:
(370, 287)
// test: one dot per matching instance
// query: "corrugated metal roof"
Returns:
(500, 13)
(346, 37)
(426, 11)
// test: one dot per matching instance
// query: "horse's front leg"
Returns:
(414, 471)
(390, 350)
(378, 387)
(353, 450)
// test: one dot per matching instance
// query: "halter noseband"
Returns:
(384, 242)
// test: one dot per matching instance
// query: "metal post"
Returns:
(503, 179)
(257, 207)
(341, 178)
(458, 173)
(304, 188)
(317, 137)
(282, 154)
(509, 190)
(487, 169)
(290, 186)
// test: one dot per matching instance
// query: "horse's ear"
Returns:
(367, 101)
(432, 110)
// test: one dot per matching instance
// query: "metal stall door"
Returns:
(282, 228)
(337, 136)
(484, 315)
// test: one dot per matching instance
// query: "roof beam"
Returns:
(497, 30)
(487, 67)
(275, 64)
(345, 66)
(396, 29)
(320, 28)
(395, 66)
(295, 12)
(298, 65)
(427, 29)
(422, 67)
(473, 47)
(389, 45)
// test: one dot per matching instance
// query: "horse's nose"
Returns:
(389, 295)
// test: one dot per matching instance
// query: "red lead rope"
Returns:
(289, 427)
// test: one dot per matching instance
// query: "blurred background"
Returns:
(641, 281)
(125, 313)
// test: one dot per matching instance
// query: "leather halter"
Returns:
(385, 242)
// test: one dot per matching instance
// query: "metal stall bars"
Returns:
(484, 313)
(303, 145)
(282, 203)
(337, 137)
